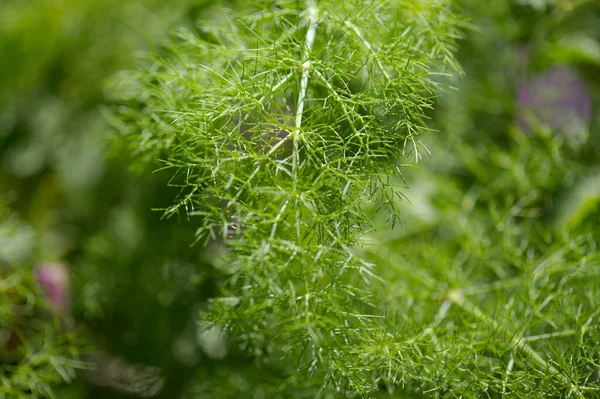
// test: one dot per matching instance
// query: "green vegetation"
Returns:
(328, 199)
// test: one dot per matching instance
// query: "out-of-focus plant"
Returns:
(37, 353)
(72, 203)
(500, 258)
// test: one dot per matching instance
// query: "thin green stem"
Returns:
(369, 47)
(457, 298)
(308, 45)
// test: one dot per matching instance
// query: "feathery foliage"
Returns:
(499, 302)
(284, 126)
(282, 123)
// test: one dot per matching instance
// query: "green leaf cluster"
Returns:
(282, 123)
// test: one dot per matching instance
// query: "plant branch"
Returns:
(369, 47)
(306, 64)
(457, 298)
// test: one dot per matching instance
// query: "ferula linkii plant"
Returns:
(283, 122)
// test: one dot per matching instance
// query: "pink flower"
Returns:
(54, 280)
(557, 98)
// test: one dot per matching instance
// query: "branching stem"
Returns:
(308, 45)
(457, 298)
(369, 47)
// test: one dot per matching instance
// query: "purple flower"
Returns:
(558, 98)
(54, 280)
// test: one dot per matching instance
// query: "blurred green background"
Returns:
(67, 194)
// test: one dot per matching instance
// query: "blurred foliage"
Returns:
(75, 201)
(499, 250)
(36, 353)
(492, 283)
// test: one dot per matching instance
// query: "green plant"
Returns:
(291, 130)
(283, 124)
(36, 352)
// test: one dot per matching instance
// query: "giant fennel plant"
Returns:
(283, 123)
(490, 289)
